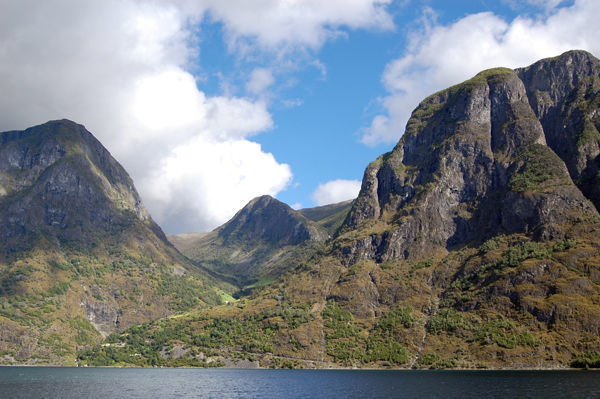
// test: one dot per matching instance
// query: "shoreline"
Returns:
(303, 369)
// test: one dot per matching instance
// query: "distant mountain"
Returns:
(80, 256)
(265, 219)
(263, 240)
(329, 216)
(475, 243)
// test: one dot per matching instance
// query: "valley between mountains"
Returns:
(474, 243)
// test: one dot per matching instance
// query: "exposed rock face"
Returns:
(104, 316)
(564, 93)
(483, 158)
(58, 179)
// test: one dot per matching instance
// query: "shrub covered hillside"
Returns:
(475, 243)
(80, 257)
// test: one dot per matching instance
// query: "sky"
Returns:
(210, 103)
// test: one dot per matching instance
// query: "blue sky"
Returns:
(209, 103)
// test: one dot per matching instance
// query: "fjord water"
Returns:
(55, 382)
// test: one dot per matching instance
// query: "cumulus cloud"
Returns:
(121, 67)
(336, 191)
(237, 167)
(305, 23)
(443, 55)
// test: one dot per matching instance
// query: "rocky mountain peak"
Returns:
(77, 241)
(58, 179)
(267, 219)
(263, 240)
(483, 158)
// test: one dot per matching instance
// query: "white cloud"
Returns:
(441, 56)
(236, 173)
(291, 103)
(121, 67)
(260, 79)
(336, 191)
(167, 100)
(543, 4)
(118, 68)
(277, 25)
(546, 4)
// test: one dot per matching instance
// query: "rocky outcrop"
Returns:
(104, 316)
(483, 158)
(564, 93)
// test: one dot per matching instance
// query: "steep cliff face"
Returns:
(564, 93)
(79, 253)
(477, 160)
(264, 239)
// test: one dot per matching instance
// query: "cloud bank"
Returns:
(121, 67)
(442, 55)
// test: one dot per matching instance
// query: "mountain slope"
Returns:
(472, 164)
(79, 254)
(259, 243)
(329, 216)
(473, 244)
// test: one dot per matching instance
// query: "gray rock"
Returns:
(483, 158)
(58, 180)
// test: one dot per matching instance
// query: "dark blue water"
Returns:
(53, 382)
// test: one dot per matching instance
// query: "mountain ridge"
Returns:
(474, 243)
(490, 127)
(470, 244)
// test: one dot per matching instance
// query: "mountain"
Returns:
(505, 152)
(484, 213)
(80, 257)
(262, 240)
(330, 217)
(474, 243)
